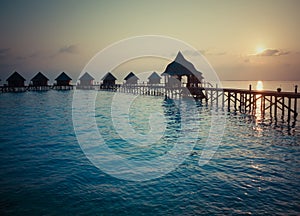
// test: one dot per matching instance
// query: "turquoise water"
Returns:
(43, 170)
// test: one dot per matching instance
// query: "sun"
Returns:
(259, 49)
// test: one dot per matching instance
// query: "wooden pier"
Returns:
(275, 105)
(62, 87)
(39, 88)
(272, 104)
(4, 89)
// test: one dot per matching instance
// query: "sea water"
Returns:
(44, 170)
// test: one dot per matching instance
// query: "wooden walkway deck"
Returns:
(274, 104)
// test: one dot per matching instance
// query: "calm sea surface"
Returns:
(43, 170)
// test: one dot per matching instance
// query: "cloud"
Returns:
(219, 53)
(21, 58)
(206, 52)
(35, 54)
(190, 53)
(272, 52)
(247, 60)
(213, 52)
(4, 51)
(69, 49)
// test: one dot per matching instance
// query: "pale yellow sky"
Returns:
(55, 36)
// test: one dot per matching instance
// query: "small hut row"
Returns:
(109, 80)
(39, 80)
(178, 73)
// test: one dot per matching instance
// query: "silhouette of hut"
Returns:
(154, 78)
(39, 80)
(180, 68)
(63, 80)
(16, 80)
(131, 78)
(109, 80)
(86, 79)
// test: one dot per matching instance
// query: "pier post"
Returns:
(211, 97)
(228, 102)
(250, 102)
(254, 103)
(275, 108)
(223, 99)
(295, 109)
(282, 105)
(271, 104)
(289, 110)
(235, 100)
(263, 105)
(217, 96)
(241, 102)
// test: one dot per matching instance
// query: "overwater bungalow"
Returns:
(131, 79)
(63, 82)
(39, 82)
(181, 68)
(86, 80)
(15, 80)
(15, 83)
(108, 81)
(154, 79)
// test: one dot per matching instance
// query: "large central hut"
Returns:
(182, 73)
(181, 68)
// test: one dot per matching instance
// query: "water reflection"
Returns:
(258, 112)
(265, 113)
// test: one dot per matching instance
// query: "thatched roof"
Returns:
(15, 77)
(154, 75)
(130, 76)
(63, 77)
(86, 76)
(39, 77)
(109, 77)
(180, 66)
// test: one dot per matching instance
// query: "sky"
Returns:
(241, 39)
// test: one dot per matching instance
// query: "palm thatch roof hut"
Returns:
(179, 68)
(131, 78)
(16, 80)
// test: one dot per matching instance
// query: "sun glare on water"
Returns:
(259, 85)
